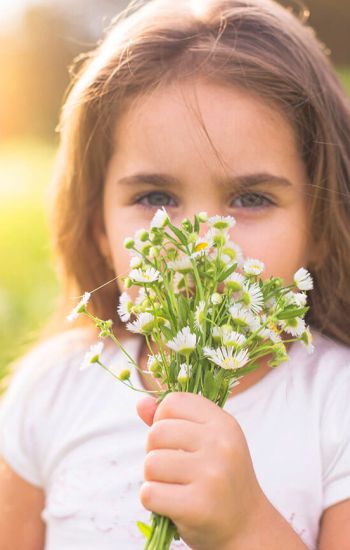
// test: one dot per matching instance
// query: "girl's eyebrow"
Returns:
(242, 181)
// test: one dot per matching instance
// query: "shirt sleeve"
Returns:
(17, 430)
(26, 410)
(336, 441)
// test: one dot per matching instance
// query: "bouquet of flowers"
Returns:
(206, 314)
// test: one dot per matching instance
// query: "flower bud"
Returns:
(203, 217)
(124, 375)
(129, 243)
(127, 282)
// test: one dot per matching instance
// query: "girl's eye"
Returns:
(156, 199)
(252, 200)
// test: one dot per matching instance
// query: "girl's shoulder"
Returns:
(324, 373)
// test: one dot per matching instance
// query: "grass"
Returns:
(28, 284)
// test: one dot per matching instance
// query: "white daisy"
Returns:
(221, 223)
(92, 356)
(235, 281)
(253, 267)
(233, 338)
(253, 297)
(219, 332)
(296, 298)
(184, 373)
(199, 315)
(227, 358)
(155, 364)
(143, 324)
(184, 342)
(80, 308)
(124, 307)
(270, 331)
(295, 326)
(149, 275)
(216, 298)
(135, 262)
(202, 245)
(243, 317)
(233, 251)
(303, 279)
(182, 265)
(306, 340)
(160, 218)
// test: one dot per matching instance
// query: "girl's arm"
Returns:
(20, 507)
(335, 527)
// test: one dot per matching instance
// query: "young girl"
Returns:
(228, 107)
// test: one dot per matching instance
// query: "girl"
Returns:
(229, 107)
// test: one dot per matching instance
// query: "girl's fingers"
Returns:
(169, 466)
(146, 408)
(174, 434)
(165, 499)
(187, 406)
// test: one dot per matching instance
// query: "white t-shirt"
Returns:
(77, 435)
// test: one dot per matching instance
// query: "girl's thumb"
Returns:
(146, 409)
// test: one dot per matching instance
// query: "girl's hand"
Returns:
(198, 471)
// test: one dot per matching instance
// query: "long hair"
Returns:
(255, 44)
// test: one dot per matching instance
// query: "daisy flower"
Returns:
(243, 317)
(125, 306)
(295, 326)
(306, 340)
(143, 324)
(202, 245)
(221, 223)
(235, 281)
(234, 252)
(227, 358)
(80, 308)
(270, 331)
(160, 219)
(199, 315)
(184, 342)
(92, 356)
(216, 298)
(296, 298)
(233, 338)
(303, 279)
(135, 262)
(253, 297)
(182, 265)
(253, 267)
(184, 373)
(149, 275)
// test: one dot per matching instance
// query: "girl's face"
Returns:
(164, 158)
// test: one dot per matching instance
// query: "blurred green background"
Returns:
(38, 41)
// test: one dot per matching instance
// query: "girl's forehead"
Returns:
(190, 131)
(200, 109)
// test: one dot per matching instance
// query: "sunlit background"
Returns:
(38, 41)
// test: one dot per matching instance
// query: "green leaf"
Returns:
(181, 236)
(289, 313)
(183, 309)
(170, 309)
(146, 530)
(196, 224)
(227, 272)
(167, 332)
(210, 385)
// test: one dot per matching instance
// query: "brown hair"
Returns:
(254, 44)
